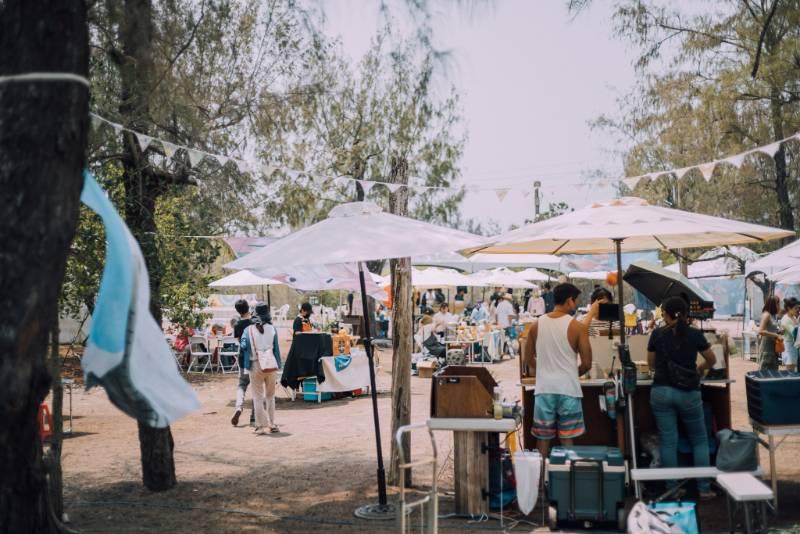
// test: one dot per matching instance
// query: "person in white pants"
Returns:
(262, 356)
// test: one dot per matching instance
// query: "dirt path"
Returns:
(310, 477)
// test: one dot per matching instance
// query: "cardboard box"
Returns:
(427, 368)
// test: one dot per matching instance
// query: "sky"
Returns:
(531, 78)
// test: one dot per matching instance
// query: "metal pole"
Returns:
(269, 299)
(372, 386)
(618, 245)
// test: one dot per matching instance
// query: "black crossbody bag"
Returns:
(681, 377)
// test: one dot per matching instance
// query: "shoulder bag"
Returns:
(266, 359)
(737, 450)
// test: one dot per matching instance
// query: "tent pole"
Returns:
(618, 245)
(269, 298)
(373, 389)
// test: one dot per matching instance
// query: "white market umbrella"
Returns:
(434, 277)
(788, 276)
(487, 261)
(532, 274)
(783, 258)
(500, 278)
(359, 232)
(595, 275)
(331, 277)
(244, 279)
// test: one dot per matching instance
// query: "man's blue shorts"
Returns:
(555, 414)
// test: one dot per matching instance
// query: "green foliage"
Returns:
(697, 99)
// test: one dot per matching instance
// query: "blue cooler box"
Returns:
(773, 397)
(586, 483)
(310, 393)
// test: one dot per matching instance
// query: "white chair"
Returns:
(170, 339)
(199, 354)
(229, 348)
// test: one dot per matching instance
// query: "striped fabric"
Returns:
(560, 415)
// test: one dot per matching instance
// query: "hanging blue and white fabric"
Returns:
(127, 353)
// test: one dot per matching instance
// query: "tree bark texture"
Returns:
(143, 186)
(785, 211)
(44, 128)
(402, 336)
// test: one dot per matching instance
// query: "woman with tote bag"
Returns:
(262, 356)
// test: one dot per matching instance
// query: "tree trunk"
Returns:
(785, 212)
(43, 140)
(142, 190)
(402, 329)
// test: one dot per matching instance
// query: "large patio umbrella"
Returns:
(783, 258)
(246, 279)
(330, 277)
(626, 224)
(657, 283)
(595, 275)
(487, 261)
(433, 277)
(359, 232)
(788, 276)
(531, 274)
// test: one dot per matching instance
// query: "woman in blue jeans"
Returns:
(675, 396)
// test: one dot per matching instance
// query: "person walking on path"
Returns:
(770, 332)
(262, 355)
(675, 396)
(243, 309)
(547, 295)
(789, 323)
(553, 345)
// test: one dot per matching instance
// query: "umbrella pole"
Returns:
(373, 389)
(269, 299)
(618, 245)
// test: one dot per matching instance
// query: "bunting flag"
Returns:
(222, 160)
(631, 182)
(680, 173)
(737, 160)
(243, 166)
(126, 353)
(770, 149)
(707, 170)
(195, 157)
(169, 149)
(366, 185)
(502, 193)
(393, 188)
(144, 141)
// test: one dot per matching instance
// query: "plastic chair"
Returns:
(199, 355)
(229, 348)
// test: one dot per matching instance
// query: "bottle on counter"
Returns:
(497, 404)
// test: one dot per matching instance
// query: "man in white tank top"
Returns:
(552, 348)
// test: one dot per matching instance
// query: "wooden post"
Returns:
(471, 465)
(401, 329)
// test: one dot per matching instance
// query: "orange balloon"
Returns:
(611, 278)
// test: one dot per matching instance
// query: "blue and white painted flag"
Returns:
(127, 353)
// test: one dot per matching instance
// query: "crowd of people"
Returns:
(778, 330)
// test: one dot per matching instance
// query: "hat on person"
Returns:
(262, 313)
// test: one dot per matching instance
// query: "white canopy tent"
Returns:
(596, 275)
(244, 279)
(359, 232)
(434, 277)
(788, 276)
(531, 274)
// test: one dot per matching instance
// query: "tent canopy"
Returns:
(487, 261)
(434, 277)
(597, 275)
(532, 274)
(639, 225)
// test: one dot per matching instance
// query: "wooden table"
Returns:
(771, 431)
(470, 458)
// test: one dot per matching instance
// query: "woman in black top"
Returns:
(675, 395)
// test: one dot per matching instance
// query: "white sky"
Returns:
(530, 78)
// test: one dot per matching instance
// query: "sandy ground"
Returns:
(310, 477)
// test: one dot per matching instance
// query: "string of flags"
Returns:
(707, 169)
(196, 156)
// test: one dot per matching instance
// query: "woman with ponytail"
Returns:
(789, 321)
(675, 395)
(770, 332)
(262, 355)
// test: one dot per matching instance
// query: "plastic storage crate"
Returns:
(310, 393)
(586, 483)
(772, 397)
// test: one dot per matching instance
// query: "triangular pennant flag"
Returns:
(770, 149)
(680, 173)
(393, 188)
(169, 148)
(707, 169)
(243, 166)
(118, 130)
(144, 140)
(501, 193)
(736, 160)
(195, 157)
(268, 170)
(632, 181)
(222, 160)
(319, 179)
(366, 185)
(97, 122)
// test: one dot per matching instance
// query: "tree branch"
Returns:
(760, 46)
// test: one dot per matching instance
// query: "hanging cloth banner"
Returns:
(127, 353)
